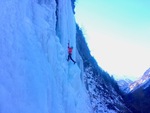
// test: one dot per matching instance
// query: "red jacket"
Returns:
(70, 50)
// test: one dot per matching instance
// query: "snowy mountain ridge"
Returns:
(128, 86)
(140, 82)
(138, 98)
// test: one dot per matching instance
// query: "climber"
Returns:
(70, 53)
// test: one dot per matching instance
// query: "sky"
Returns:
(118, 34)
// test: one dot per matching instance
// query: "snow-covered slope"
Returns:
(102, 89)
(34, 74)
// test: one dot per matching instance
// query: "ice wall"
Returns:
(34, 74)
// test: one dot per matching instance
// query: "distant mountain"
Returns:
(124, 85)
(140, 82)
(139, 97)
(127, 86)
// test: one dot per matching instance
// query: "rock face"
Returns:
(139, 97)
